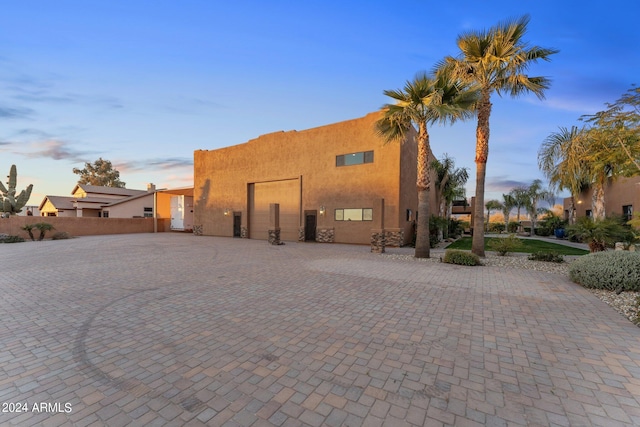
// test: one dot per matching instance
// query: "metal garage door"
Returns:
(287, 194)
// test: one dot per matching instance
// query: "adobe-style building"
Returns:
(334, 183)
(621, 196)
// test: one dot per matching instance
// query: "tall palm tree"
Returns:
(536, 193)
(562, 158)
(449, 185)
(491, 205)
(520, 199)
(508, 203)
(449, 181)
(426, 99)
(497, 59)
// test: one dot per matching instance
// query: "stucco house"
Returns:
(333, 183)
(109, 202)
(621, 197)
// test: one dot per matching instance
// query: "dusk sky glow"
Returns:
(145, 83)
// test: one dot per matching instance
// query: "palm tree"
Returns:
(492, 205)
(562, 158)
(520, 199)
(425, 100)
(450, 183)
(497, 59)
(536, 194)
(508, 203)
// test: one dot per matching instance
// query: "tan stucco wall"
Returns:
(130, 209)
(618, 193)
(221, 177)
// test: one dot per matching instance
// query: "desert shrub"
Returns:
(546, 257)
(455, 227)
(12, 239)
(505, 245)
(496, 227)
(610, 270)
(599, 233)
(453, 256)
(60, 235)
(544, 231)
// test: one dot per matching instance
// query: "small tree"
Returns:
(100, 172)
(491, 205)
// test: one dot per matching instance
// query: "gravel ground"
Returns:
(627, 303)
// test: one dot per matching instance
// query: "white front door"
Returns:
(177, 212)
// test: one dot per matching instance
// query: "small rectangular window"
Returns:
(365, 214)
(627, 212)
(354, 158)
(105, 214)
(589, 213)
(148, 212)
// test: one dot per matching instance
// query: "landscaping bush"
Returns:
(455, 228)
(60, 235)
(513, 227)
(611, 270)
(496, 227)
(505, 245)
(600, 233)
(453, 256)
(544, 231)
(546, 257)
(12, 239)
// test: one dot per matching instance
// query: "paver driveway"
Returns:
(173, 329)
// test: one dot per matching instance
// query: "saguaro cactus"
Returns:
(9, 203)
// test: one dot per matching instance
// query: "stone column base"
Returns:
(325, 235)
(377, 241)
(244, 233)
(274, 237)
(394, 237)
(301, 234)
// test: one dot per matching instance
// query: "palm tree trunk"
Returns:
(423, 184)
(482, 153)
(597, 201)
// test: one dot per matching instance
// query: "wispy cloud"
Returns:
(157, 164)
(503, 184)
(56, 150)
(15, 113)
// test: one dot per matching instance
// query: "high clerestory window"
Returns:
(354, 158)
(365, 214)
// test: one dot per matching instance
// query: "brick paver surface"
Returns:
(173, 329)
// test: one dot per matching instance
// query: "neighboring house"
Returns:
(109, 202)
(622, 196)
(329, 182)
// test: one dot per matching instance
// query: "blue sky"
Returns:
(145, 83)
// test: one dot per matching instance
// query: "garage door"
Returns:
(287, 194)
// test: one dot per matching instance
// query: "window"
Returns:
(589, 213)
(409, 215)
(105, 214)
(365, 214)
(627, 212)
(148, 212)
(354, 158)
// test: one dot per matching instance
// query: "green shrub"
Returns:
(496, 227)
(546, 257)
(505, 245)
(12, 239)
(60, 235)
(455, 228)
(544, 231)
(453, 256)
(513, 227)
(599, 233)
(610, 270)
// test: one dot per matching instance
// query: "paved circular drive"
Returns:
(173, 329)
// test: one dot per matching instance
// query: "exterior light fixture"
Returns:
(322, 210)
(226, 212)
